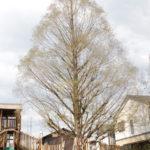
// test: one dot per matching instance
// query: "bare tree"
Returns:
(145, 80)
(76, 74)
(149, 69)
(148, 81)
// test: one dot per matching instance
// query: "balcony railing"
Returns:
(9, 123)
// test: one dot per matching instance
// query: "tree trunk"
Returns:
(79, 144)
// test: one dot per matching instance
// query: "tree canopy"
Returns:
(76, 75)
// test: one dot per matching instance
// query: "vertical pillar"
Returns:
(18, 120)
(0, 120)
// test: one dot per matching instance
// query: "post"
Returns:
(0, 120)
(41, 144)
(62, 143)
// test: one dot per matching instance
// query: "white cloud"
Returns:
(130, 23)
(30, 5)
(18, 18)
(17, 21)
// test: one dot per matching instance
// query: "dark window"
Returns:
(4, 122)
(121, 126)
(111, 138)
(131, 126)
(8, 122)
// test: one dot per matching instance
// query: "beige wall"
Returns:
(139, 113)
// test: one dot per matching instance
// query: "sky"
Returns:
(129, 20)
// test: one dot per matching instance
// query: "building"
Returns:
(133, 124)
(55, 139)
(66, 142)
(132, 129)
(10, 125)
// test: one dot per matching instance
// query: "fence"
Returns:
(28, 142)
(109, 147)
(85, 147)
(53, 147)
(96, 145)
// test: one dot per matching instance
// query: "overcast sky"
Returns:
(129, 19)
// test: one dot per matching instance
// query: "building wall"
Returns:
(68, 141)
(137, 146)
(137, 113)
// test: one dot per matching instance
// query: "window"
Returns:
(10, 140)
(131, 127)
(93, 146)
(111, 138)
(8, 122)
(121, 126)
(12, 122)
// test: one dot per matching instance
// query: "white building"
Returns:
(133, 124)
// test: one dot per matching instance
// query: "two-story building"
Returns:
(133, 124)
(10, 124)
(134, 120)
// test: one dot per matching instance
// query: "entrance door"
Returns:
(9, 141)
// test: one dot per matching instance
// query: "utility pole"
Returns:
(30, 132)
(31, 126)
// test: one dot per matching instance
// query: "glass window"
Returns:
(10, 140)
(131, 126)
(121, 126)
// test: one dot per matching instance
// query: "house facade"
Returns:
(10, 124)
(133, 124)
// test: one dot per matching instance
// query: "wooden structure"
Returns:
(28, 142)
(58, 141)
(10, 125)
(11, 137)
(55, 141)
(87, 146)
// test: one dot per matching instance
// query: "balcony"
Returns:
(9, 123)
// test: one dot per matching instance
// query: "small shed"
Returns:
(55, 139)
